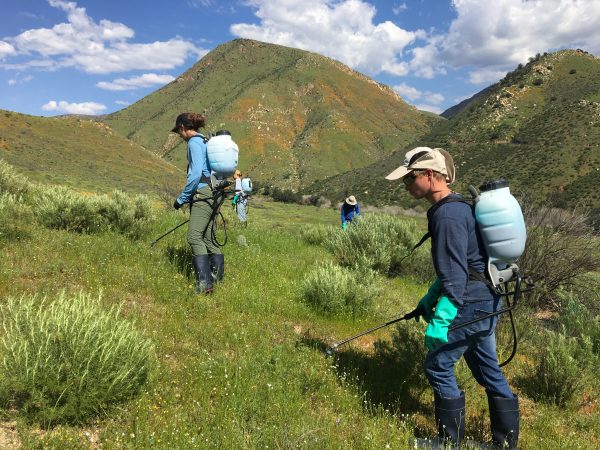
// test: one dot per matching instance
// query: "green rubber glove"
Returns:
(437, 330)
(344, 225)
(429, 300)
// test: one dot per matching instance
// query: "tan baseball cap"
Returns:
(436, 159)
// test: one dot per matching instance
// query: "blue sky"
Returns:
(95, 57)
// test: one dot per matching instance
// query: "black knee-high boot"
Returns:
(204, 278)
(504, 419)
(217, 264)
(450, 417)
(450, 420)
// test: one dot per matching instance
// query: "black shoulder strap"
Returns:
(447, 199)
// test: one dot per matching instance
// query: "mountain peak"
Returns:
(297, 115)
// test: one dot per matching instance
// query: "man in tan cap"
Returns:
(349, 210)
(458, 295)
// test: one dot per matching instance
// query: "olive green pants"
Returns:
(201, 222)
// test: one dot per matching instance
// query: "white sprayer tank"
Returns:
(246, 185)
(500, 222)
(222, 153)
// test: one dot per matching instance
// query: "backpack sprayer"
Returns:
(501, 225)
(222, 154)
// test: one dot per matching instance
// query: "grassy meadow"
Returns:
(245, 367)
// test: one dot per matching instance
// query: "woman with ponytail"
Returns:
(208, 261)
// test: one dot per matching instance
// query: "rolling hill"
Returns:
(539, 127)
(297, 116)
(81, 153)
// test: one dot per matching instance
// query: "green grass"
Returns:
(245, 367)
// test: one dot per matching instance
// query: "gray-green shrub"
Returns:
(125, 215)
(14, 217)
(562, 365)
(317, 234)
(68, 359)
(11, 181)
(63, 208)
(578, 320)
(335, 290)
(380, 242)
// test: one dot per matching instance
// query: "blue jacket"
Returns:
(455, 246)
(197, 167)
(348, 212)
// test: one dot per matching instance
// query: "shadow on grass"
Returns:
(391, 376)
(181, 258)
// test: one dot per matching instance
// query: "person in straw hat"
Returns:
(349, 210)
(459, 294)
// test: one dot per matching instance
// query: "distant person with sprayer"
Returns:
(240, 200)
(349, 210)
(208, 260)
(460, 293)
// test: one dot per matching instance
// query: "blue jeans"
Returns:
(476, 342)
(240, 208)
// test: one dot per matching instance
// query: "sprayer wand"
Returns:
(418, 311)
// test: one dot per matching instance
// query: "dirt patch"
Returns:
(9, 438)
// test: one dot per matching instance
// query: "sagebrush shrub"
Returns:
(11, 181)
(317, 234)
(68, 359)
(63, 208)
(335, 290)
(578, 320)
(14, 217)
(124, 215)
(560, 372)
(381, 242)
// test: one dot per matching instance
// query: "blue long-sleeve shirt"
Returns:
(197, 166)
(349, 211)
(455, 246)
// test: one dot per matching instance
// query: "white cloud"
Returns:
(406, 91)
(430, 108)
(122, 102)
(431, 98)
(398, 8)
(143, 81)
(101, 47)
(344, 30)
(434, 98)
(486, 75)
(91, 108)
(6, 50)
(18, 80)
(494, 36)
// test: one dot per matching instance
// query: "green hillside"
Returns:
(80, 153)
(297, 116)
(539, 127)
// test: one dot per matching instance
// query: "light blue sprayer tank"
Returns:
(247, 185)
(502, 227)
(222, 153)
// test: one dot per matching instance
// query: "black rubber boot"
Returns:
(217, 265)
(203, 274)
(450, 420)
(504, 419)
(450, 417)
